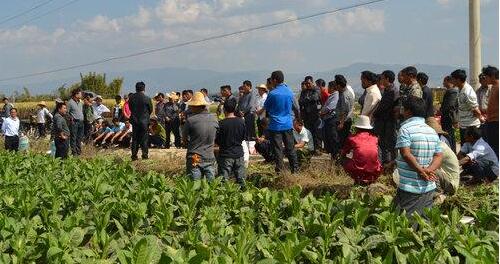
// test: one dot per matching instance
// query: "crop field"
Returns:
(106, 211)
(25, 109)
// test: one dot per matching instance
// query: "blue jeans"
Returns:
(228, 166)
(205, 168)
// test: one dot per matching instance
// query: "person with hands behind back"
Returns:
(420, 155)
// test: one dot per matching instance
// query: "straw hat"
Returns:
(363, 122)
(42, 103)
(262, 86)
(432, 122)
(173, 96)
(198, 100)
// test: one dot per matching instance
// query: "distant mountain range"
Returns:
(176, 79)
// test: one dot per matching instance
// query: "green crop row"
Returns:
(98, 211)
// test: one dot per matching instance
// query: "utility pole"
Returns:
(474, 42)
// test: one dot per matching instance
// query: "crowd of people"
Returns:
(397, 131)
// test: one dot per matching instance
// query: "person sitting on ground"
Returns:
(263, 144)
(99, 108)
(41, 115)
(477, 158)
(231, 134)
(420, 155)
(449, 173)
(360, 153)
(198, 135)
(110, 131)
(99, 126)
(304, 144)
(122, 138)
(157, 134)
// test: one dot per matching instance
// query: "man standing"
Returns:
(226, 94)
(198, 135)
(468, 108)
(247, 106)
(310, 105)
(409, 83)
(385, 118)
(41, 116)
(344, 108)
(420, 157)
(160, 108)
(422, 80)
(322, 89)
(261, 113)
(140, 108)
(483, 94)
(171, 125)
(88, 117)
(369, 82)
(10, 129)
(279, 108)
(491, 76)
(60, 132)
(75, 111)
(6, 107)
(449, 111)
(330, 119)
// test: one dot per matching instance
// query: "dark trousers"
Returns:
(345, 132)
(176, 129)
(260, 129)
(41, 129)
(12, 143)
(448, 128)
(331, 137)
(169, 128)
(230, 166)
(87, 130)
(250, 125)
(62, 147)
(265, 149)
(492, 135)
(76, 137)
(312, 125)
(139, 139)
(278, 139)
(413, 202)
(155, 140)
(480, 170)
(386, 133)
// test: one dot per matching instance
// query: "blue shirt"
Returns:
(424, 144)
(278, 107)
(115, 129)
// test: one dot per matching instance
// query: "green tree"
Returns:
(96, 82)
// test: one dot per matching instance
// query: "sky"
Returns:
(389, 32)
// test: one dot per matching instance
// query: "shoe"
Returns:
(134, 158)
(145, 157)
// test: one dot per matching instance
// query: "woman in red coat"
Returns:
(360, 153)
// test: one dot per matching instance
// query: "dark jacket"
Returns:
(429, 101)
(449, 108)
(141, 108)
(385, 109)
(310, 103)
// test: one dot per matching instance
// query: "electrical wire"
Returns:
(188, 43)
(44, 14)
(25, 12)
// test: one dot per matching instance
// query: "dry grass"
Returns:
(25, 109)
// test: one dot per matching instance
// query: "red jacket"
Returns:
(364, 166)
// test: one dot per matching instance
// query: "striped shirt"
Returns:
(424, 144)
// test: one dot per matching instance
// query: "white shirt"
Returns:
(10, 127)
(41, 114)
(99, 110)
(467, 101)
(352, 100)
(260, 105)
(372, 99)
(483, 152)
(304, 136)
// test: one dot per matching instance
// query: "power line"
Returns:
(188, 43)
(45, 14)
(25, 12)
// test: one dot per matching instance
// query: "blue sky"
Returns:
(391, 32)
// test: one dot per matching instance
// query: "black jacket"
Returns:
(141, 108)
(385, 109)
(310, 103)
(449, 108)
(429, 101)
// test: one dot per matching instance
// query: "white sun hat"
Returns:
(363, 122)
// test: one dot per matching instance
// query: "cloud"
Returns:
(448, 2)
(140, 20)
(101, 24)
(181, 11)
(362, 19)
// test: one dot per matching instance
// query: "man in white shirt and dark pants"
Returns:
(41, 115)
(10, 128)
